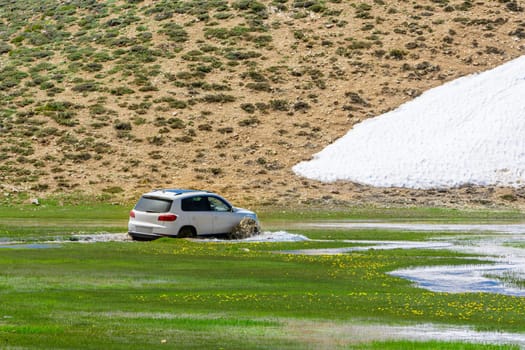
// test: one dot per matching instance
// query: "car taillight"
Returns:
(132, 214)
(167, 217)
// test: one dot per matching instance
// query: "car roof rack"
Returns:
(178, 191)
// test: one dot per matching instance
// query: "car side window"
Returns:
(195, 204)
(218, 205)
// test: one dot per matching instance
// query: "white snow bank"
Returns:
(468, 131)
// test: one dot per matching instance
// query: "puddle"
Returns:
(429, 332)
(278, 236)
(379, 245)
(30, 246)
(492, 243)
(461, 279)
(100, 237)
(452, 279)
(267, 236)
(496, 228)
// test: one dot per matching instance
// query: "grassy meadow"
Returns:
(187, 294)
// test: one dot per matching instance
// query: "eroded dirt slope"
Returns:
(120, 97)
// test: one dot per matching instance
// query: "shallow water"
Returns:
(382, 245)
(30, 246)
(492, 243)
(485, 228)
(428, 332)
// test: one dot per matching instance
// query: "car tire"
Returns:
(187, 232)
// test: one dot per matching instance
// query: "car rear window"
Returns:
(154, 205)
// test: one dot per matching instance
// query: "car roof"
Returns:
(173, 192)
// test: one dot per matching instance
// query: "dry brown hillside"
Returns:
(119, 97)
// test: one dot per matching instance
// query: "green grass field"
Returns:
(193, 295)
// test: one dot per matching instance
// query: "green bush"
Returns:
(121, 90)
(259, 86)
(87, 86)
(279, 105)
(218, 98)
(248, 107)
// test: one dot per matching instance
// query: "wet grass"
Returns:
(368, 234)
(408, 345)
(194, 294)
(52, 220)
(400, 214)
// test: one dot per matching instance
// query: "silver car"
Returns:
(183, 213)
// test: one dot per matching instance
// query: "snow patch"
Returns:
(468, 131)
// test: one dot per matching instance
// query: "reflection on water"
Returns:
(30, 246)
(495, 243)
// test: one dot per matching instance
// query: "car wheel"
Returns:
(187, 232)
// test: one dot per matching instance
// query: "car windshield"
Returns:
(153, 205)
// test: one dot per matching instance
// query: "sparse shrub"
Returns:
(397, 54)
(40, 187)
(157, 140)
(218, 98)
(225, 130)
(88, 86)
(250, 5)
(216, 171)
(248, 107)
(363, 11)
(10, 77)
(249, 121)
(185, 139)
(113, 190)
(93, 67)
(255, 76)
(261, 40)
(263, 86)
(513, 6)
(280, 105)
(205, 127)
(465, 6)
(4, 48)
(225, 33)
(355, 98)
(121, 90)
(175, 32)
(301, 106)
(241, 55)
(176, 123)
(123, 126)
(509, 197)
(172, 102)
(494, 50)
(78, 157)
(65, 118)
(448, 39)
